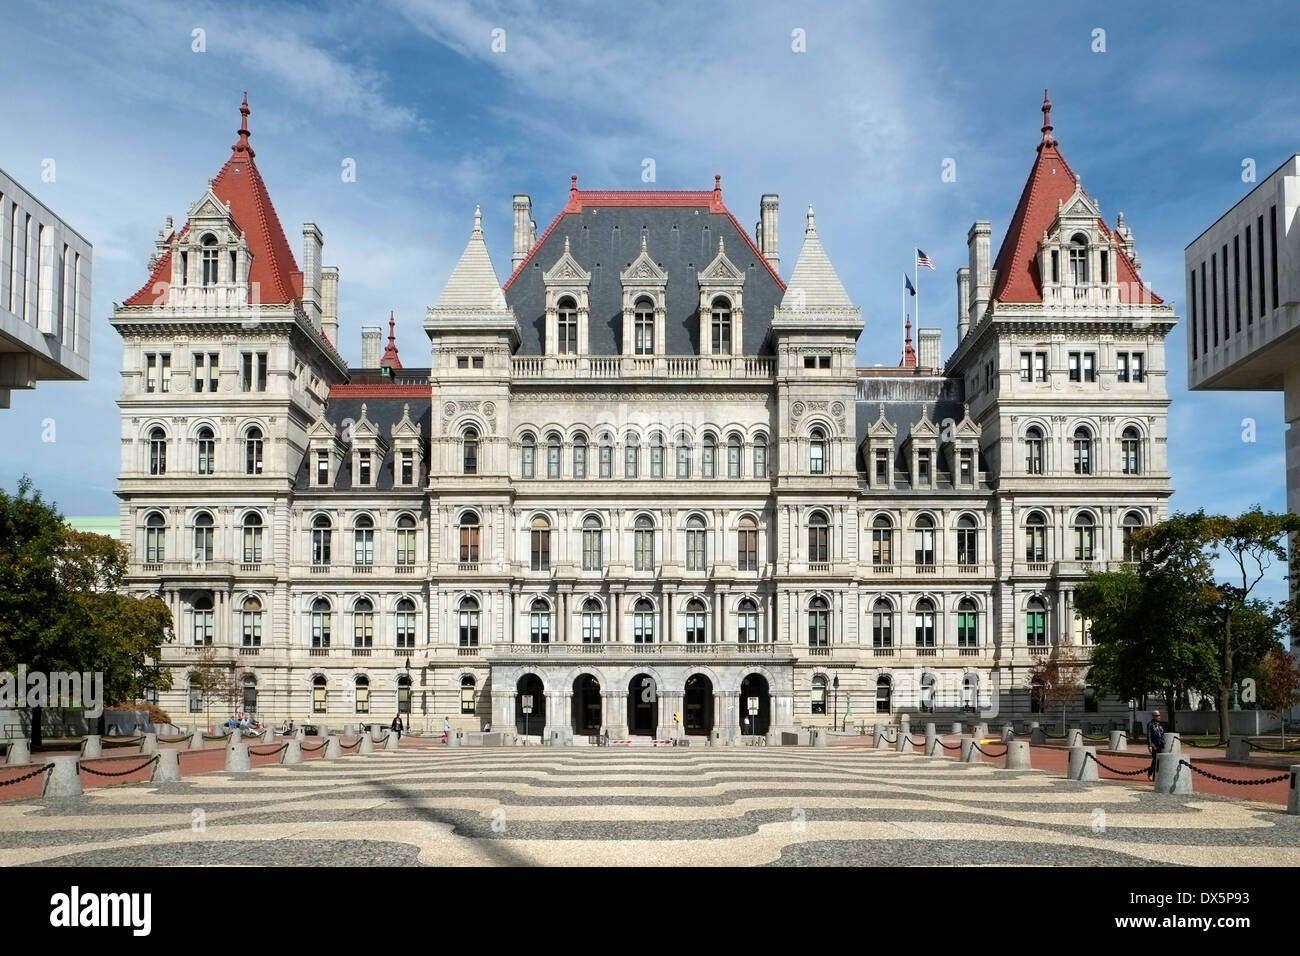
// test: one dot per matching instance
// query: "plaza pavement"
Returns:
(678, 806)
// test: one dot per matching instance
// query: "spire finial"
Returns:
(643, 242)
(243, 146)
(573, 186)
(478, 220)
(717, 186)
(909, 354)
(391, 359)
(1048, 139)
(811, 228)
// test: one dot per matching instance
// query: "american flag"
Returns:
(923, 260)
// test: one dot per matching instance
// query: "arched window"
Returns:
(468, 620)
(203, 619)
(760, 456)
(1033, 450)
(253, 451)
(882, 541)
(657, 455)
(250, 694)
(1036, 538)
(970, 691)
(696, 544)
(469, 452)
(593, 539)
(631, 457)
(643, 544)
(819, 620)
(818, 694)
(1036, 623)
(251, 620)
(683, 456)
(1130, 445)
(404, 696)
(203, 537)
(539, 622)
(320, 623)
(553, 455)
(925, 623)
(528, 455)
(1079, 259)
(734, 450)
(643, 336)
(882, 624)
(252, 538)
(592, 619)
(319, 694)
(580, 455)
(157, 452)
(747, 544)
(195, 695)
(709, 456)
(361, 686)
(1037, 695)
(819, 538)
(405, 540)
(469, 537)
(747, 622)
(155, 538)
(363, 623)
(817, 452)
(539, 544)
(1084, 536)
(605, 456)
(643, 622)
(363, 540)
(208, 254)
(566, 327)
(1132, 525)
(467, 694)
(884, 694)
(696, 622)
(405, 623)
(207, 449)
(1082, 451)
(967, 623)
(321, 533)
(721, 325)
(925, 541)
(967, 541)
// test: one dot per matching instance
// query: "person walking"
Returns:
(1155, 742)
(396, 726)
(446, 729)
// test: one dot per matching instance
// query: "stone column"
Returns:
(1017, 755)
(1083, 766)
(1171, 775)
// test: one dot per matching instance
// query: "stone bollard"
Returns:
(1074, 737)
(349, 729)
(65, 780)
(300, 734)
(392, 741)
(1171, 775)
(1008, 733)
(168, 767)
(882, 741)
(1082, 767)
(1118, 740)
(968, 752)
(333, 749)
(981, 730)
(237, 758)
(268, 735)
(932, 748)
(1173, 743)
(149, 745)
(1293, 797)
(905, 743)
(196, 739)
(818, 738)
(956, 727)
(1017, 755)
(1037, 735)
(904, 727)
(92, 746)
(453, 739)
(1238, 748)
(367, 743)
(20, 751)
(292, 753)
(929, 728)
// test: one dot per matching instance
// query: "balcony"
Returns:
(622, 651)
(882, 652)
(927, 652)
(882, 569)
(930, 568)
(968, 652)
(362, 651)
(320, 569)
(1039, 650)
(249, 651)
(632, 367)
(250, 568)
(404, 569)
(363, 569)
(318, 652)
(819, 567)
(467, 652)
(819, 652)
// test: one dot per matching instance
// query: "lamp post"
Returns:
(408, 697)
(835, 715)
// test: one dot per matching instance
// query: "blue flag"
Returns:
(907, 284)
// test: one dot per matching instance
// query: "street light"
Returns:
(835, 713)
(408, 697)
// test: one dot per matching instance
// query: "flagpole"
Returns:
(916, 271)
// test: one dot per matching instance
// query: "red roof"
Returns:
(380, 390)
(710, 198)
(274, 270)
(391, 358)
(1051, 182)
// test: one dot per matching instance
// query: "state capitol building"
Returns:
(642, 476)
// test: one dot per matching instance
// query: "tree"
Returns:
(1279, 684)
(214, 681)
(1059, 679)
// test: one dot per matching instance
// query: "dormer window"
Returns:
(408, 467)
(1079, 259)
(644, 327)
(923, 467)
(566, 328)
(322, 468)
(721, 325)
(208, 252)
(363, 468)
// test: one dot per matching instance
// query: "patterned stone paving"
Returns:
(743, 806)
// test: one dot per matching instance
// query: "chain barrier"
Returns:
(355, 743)
(175, 740)
(27, 776)
(216, 736)
(121, 741)
(914, 743)
(986, 753)
(267, 753)
(1193, 743)
(1096, 736)
(1240, 783)
(1122, 773)
(945, 746)
(312, 750)
(1273, 750)
(123, 773)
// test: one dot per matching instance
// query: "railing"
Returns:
(405, 652)
(967, 567)
(642, 366)
(469, 567)
(1038, 567)
(363, 569)
(819, 567)
(318, 652)
(253, 568)
(1038, 650)
(882, 652)
(320, 568)
(467, 652)
(249, 651)
(404, 569)
(819, 652)
(361, 651)
(927, 652)
(927, 568)
(151, 568)
(882, 569)
(968, 651)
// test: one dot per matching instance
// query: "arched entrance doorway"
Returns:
(586, 705)
(755, 686)
(698, 705)
(529, 690)
(884, 694)
(642, 705)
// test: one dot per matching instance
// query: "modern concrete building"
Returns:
(1243, 295)
(44, 294)
(642, 478)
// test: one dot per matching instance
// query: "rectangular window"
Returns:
(151, 372)
(246, 371)
(322, 468)
(553, 459)
(656, 461)
(644, 543)
(1236, 282)
(579, 461)
(1205, 339)
(760, 461)
(967, 467)
(1056, 266)
(631, 461)
(165, 372)
(1121, 366)
(1250, 285)
(923, 467)
(1272, 237)
(408, 467)
(1105, 266)
(363, 468)
(1138, 372)
(605, 461)
(462, 361)
(882, 467)
(1074, 359)
(1040, 366)
(683, 461)
(1259, 238)
(1227, 313)
(540, 549)
(747, 550)
(476, 361)
(1090, 366)
(1026, 366)
(1036, 628)
(1214, 296)
(1192, 313)
(824, 361)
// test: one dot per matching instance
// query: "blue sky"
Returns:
(859, 125)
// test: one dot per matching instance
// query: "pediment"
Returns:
(643, 270)
(925, 428)
(566, 269)
(721, 271)
(404, 427)
(882, 427)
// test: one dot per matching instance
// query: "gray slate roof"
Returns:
(384, 413)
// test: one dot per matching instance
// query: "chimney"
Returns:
(767, 236)
(311, 252)
(329, 304)
(525, 230)
(963, 302)
(371, 348)
(980, 280)
(928, 348)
